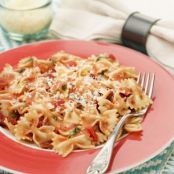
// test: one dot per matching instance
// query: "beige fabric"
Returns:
(104, 19)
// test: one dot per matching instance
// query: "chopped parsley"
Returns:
(75, 131)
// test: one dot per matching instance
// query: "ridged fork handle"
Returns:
(101, 162)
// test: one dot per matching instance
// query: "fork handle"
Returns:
(101, 162)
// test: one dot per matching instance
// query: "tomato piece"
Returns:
(43, 67)
(51, 76)
(52, 70)
(30, 98)
(12, 120)
(120, 76)
(32, 77)
(71, 63)
(2, 118)
(92, 133)
(13, 117)
(112, 57)
(29, 101)
(58, 103)
(3, 83)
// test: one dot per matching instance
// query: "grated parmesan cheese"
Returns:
(25, 22)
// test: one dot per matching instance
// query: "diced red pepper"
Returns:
(92, 133)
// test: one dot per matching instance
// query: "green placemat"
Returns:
(163, 163)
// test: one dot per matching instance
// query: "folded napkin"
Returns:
(104, 20)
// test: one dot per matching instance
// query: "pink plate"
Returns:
(158, 126)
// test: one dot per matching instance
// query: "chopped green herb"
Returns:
(29, 60)
(75, 131)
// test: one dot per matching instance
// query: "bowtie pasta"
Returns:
(66, 102)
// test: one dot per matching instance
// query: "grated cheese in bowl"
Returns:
(25, 17)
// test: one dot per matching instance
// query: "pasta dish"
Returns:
(67, 102)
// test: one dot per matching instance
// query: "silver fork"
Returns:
(101, 162)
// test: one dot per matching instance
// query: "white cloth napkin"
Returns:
(104, 19)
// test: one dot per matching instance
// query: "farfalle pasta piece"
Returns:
(6, 97)
(43, 136)
(68, 145)
(9, 125)
(23, 128)
(105, 105)
(108, 121)
(64, 58)
(7, 75)
(101, 138)
(48, 117)
(102, 65)
(123, 73)
(25, 63)
(17, 87)
(69, 131)
(85, 70)
(136, 102)
(89, 120)
(133, 124)
(136, 99)
(5, 108)
(44, 65)
(72, 117)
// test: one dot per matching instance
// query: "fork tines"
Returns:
(146, 81)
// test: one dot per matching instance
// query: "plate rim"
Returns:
(124, 169)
